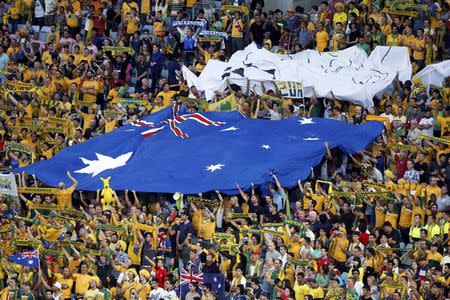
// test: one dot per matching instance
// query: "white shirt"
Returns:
(169, 295)
(377, 176)
(275, 116)
(311, 235)
(429, 121)
(443, 203)
(56, 296)
(243, 281)
(219, 217)
(50, 7)
(445, 260)
(157, 294)
(359, 287)
(38, 10)
(390, 116)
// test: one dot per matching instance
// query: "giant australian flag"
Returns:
(176, 151)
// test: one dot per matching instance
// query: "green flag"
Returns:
(226, 104)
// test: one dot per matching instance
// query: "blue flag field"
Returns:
(27, 259)
(175, 151)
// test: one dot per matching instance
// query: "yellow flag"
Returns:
(385, 120)
(226, 104)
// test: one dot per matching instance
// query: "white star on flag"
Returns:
(212, 167)
(267, 147)
(103, 163)
(305, 121)
(232, 128)
(311, 139)
(30, 262)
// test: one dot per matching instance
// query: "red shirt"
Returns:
(322, 261)
(364, 238)
(99, 24)
(400, 166)
(161, 275)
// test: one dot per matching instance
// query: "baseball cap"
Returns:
(57, 285)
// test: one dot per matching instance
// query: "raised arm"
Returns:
(82, 199)
(74, 181)
(258, 103)
(299, 183)
(127, 199)
(116, 199)
(24, 182)
(277, 182)
(193, 206)
(241, 192)
(328, 150)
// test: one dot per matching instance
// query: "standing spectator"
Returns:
(305, 36)
(426, 124)
(257, 30)
(189, 47)
(237, 29)
(156, 65)
(321, 38)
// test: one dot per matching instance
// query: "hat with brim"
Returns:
(57, 285)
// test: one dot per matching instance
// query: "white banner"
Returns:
(434, 74)
(349, 73)
(8, 184)
(289, 89)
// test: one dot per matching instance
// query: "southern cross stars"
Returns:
(102, 163)
(212, 167)
(232, 128)
(311, 139)
(305, 121)
(267, 147)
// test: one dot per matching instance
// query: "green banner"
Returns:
(205, 201)
(118, 49)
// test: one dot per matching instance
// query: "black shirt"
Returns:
(258, 210)
(147, 250)
(273, 218)
(256, 2)
(418, 166)
(184, 230)
(394, 235)
(103, 270)
(257, 31)
(353, 36)
(213, 268)
(435, 167)
(141, 68)
(236, 209)
(348, 218)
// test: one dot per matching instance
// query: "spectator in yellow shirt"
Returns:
(322, 38)
(132, 21)
(166, 94)
(90, 88)
(64, 195)
(236, 28)
(127, 6)
(408, 39)
(14, 14)
(340, 15)
(418, 47)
